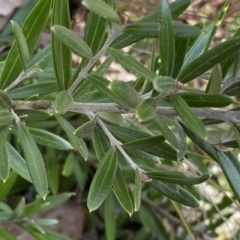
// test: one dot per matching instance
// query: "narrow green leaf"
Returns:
(215, 82)
(4, 132)
(151, 30)
(46, 222)
(229, 165)
(72, 41)
(162, 149)
(137, 191)
(7, 185)
(187, 115)
(233, 90)
(120, 189)
(166, 132)
(206, 100)
(111, 117)
(210, 58)
(100, 142)
(5, 100)
(166, 38)
(33, 115)
(68, 165)
(42, 58)
(86, 129)
(176, 193)
(79, 174)
(146, 109)
(103, 68)
(101, 84)
(131, 64)
(102, 9)
(53, 170)
(218, 23)
(110, 218)
(5, 117)
(49, 203)
(27, 91)
(77, 143)
(143, 143)
(95, 32)
(103, 180)
(124, 39)
(164, 84)
(49, 140)
(145, 157)
(32, 28)
(182, 143)
(62, 59)
(17, 163)
(22, 45)
(181, 46)
(197, 48)
(63, 102)
(128, 95)
(34, 161)
(177, 177)
(6, 235)
(4, 164)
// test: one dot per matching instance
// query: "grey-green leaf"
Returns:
(4, 164)
(77, 143)
(210, 58)
(72, 41)
(103, 180)
(128, 95)
(5, 100)
(177, 177)
(137, 191)
(176, 193)
(167, 133)
(131, 64)
(32, 29)
(229, 164)
(34, 161)
(102, 9)
(151, 30)
(5, 117)
(48, 139)
(63, 102)
(62, 57)
(86, 129)
(4, 132)
(22, 45)
(187, 115)
(146, 109)
(110, 218)
(166, 38)
(17, 163)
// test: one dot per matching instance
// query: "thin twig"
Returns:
(21, 77)
(226, 116)
(115, 32)
(115, 143)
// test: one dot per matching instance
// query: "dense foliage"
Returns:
(130, 149)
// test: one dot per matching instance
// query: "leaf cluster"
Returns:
(126, 145)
